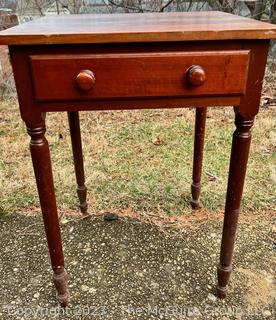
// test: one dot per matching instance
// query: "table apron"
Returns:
(232, 78)
(133, 104)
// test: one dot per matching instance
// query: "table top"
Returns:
(137, 27)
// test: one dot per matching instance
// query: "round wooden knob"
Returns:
(86, 80)
(196, 75)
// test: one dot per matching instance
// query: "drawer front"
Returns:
(107, 76)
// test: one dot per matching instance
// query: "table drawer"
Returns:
(129, 75)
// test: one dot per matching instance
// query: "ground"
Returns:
(131, 269)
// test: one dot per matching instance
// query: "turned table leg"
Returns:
(43, 173)
(74, 124)
(237, 171)
(200, 121)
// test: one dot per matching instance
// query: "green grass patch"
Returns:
(140, 160)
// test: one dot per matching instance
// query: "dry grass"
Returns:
(137, 161)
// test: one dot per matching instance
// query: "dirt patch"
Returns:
(261, 287)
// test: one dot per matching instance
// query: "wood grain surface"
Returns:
(137, 27)
(139, 75)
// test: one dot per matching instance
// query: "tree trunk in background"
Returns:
(273, 13)
(258, 9)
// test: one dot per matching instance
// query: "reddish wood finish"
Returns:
(74, 125)
(137, 27)
(237, 171)
(196, 76)
(22, 55)
(140, 75)
(131, 75)
(145, 103)
(60, 280)
(198, 155)
(85, 80)
(45, 186)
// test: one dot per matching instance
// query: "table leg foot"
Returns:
(195, 202)
(223, 279)
(200, 122)
(221, 292)
(82, 194)
(61, 283)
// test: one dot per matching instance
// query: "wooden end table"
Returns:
(131, 61)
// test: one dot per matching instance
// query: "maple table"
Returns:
(130, 61)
